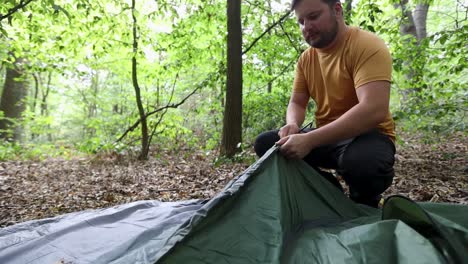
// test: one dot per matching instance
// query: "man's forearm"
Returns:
(356, 121)
(295, 114)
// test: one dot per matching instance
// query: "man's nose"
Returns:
(309, 24)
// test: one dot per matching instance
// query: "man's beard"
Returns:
(325, 38)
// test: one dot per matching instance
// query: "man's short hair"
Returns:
(328, 2)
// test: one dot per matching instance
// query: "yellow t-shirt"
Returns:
(332, 77)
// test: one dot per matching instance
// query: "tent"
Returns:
(277, 211)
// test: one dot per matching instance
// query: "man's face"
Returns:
(317, 21)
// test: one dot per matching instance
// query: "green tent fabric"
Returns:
(282, 211)
(277, 211)
(445, 237)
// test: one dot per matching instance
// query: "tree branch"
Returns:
(13, 10)
(281, 73)
(290, 40)
(155, 127)
(164, 112)
(135, 125)
(258, 6)
(265, 32)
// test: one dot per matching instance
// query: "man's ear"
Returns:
(338, 9)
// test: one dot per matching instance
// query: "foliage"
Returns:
(86, 47)
(440, 105)
(33, 151)
(263, 112)
(433, 99)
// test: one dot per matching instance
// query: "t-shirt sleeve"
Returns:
(300, 83)
(373, 62)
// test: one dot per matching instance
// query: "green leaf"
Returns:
(443, 39)
(4, 32)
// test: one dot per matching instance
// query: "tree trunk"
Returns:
(409, 33)
(407, 26)
(413, 25)
(144, 125)
(45, 94)
(13, 103)
(36, 94)
(269, 63)
(420, 19)
(34, 100)
(232, 125)
(92, 107)
(44, 106)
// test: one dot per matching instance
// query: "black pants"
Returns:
(365, 162)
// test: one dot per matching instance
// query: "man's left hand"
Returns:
(295, 146)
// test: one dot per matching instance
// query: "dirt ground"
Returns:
(436, 172)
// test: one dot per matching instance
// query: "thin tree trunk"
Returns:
(270, 83)
(117, 107)
(157, 93)
(45, 94)
(414, 25)
(232, 125)
(408, 31)
(420, 19)
(407, 26)
(144, 125)
(92, 110)
(222, 88)
(269, 64)
(35, 99)
(36, 93)
(12, 102)
(44, 106)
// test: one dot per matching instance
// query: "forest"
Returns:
(106, 102)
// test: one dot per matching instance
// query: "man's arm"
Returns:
(374, 98)
(295, 114)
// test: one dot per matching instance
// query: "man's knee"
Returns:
(368, 172)
(265, 141)
(369, 183)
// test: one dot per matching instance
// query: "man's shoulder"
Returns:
(363, 38)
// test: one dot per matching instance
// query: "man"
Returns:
(347, 72)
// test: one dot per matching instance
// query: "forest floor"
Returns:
(436, 172)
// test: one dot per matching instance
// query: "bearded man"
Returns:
(346, 71)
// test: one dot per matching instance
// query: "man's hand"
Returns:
(288, 129)
(295, 146)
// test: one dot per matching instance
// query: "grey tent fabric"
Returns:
(131, 233)
(277, 211)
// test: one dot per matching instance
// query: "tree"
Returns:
(144, 124)
(413, 31)
(232, 124)
(420, 19)
(12, 102)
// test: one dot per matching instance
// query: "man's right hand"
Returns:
(288, 129)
